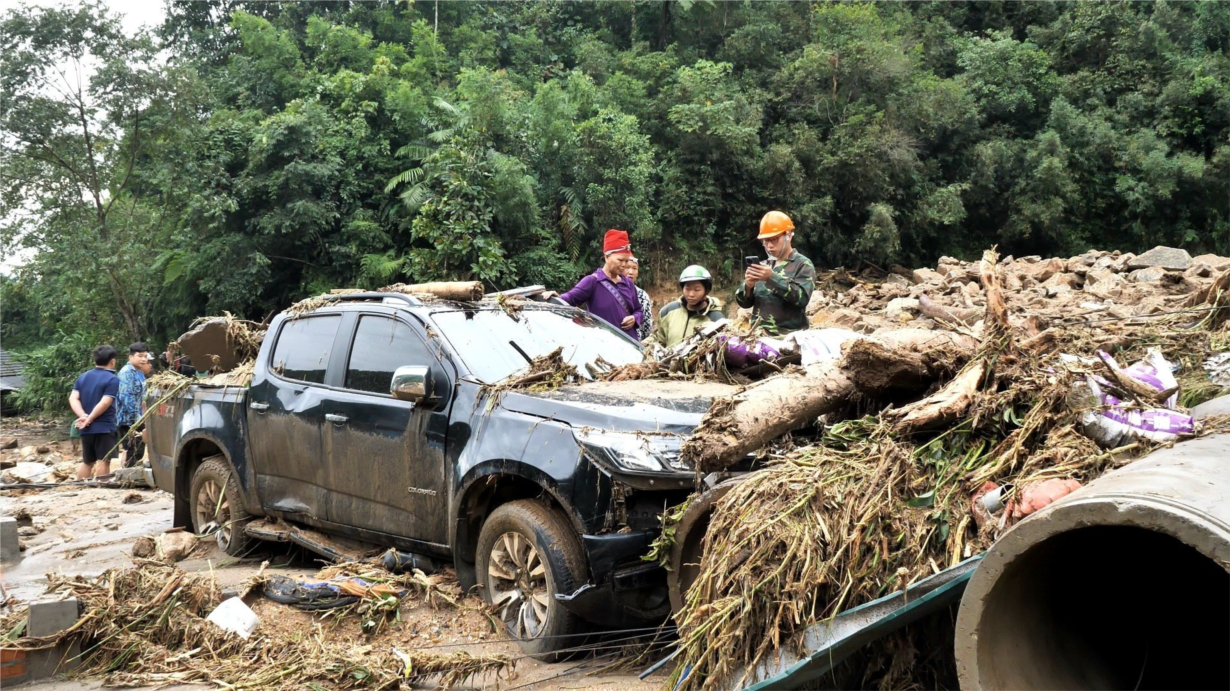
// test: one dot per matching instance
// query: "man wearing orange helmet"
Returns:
(778, 290)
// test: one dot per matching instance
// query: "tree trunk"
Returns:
(666, 20)
(896, 360)
(632, 34)
(465, 291)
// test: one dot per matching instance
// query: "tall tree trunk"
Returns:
(632, 34)
(666, 20)
(128, 313)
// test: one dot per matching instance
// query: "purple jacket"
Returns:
(591, 291)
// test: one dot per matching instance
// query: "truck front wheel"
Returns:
(217, 507)
(527, 553)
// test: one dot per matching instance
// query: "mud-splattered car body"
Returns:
(308, 446)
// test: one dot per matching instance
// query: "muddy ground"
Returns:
(81, 530)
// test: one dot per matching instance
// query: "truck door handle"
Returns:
(336, 419)
(259, 407)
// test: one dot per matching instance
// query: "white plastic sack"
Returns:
(820, 345)
(1218, 367)
(234, 616)
(1111, 423)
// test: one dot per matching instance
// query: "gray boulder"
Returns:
(1167, 258)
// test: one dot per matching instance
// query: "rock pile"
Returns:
(43, 463)
(1091, 286)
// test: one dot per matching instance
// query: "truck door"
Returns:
(387, 462)
(285, 415)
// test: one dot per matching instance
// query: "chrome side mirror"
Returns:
(412, 383)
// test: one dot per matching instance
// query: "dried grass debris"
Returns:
(546, 373)
(145, 625)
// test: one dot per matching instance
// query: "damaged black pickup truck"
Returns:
(379, 418)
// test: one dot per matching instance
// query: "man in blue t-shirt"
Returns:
(92, 400)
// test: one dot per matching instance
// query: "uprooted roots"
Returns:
(146, 625)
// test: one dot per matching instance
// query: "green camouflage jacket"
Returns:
(780, 303)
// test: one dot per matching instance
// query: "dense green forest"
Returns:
(241, 155)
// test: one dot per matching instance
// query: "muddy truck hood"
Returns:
(631, 406)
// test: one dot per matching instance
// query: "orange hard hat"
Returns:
(774, 223)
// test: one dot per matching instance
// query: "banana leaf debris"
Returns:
(994, 389)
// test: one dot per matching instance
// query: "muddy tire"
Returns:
(527, 553)
(216, 507)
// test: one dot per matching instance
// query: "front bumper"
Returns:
(625, 589)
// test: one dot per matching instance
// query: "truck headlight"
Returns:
(644, 452)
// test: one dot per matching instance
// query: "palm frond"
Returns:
(176, 266)
(414, 197)
(412, 176)
(447, 107)
(381, 267)
(416, 152)
(441, 136)
(572, 222)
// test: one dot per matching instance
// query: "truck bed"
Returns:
(204, 411)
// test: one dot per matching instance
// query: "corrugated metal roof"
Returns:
(9, 367)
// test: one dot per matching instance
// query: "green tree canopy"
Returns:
(248, 154)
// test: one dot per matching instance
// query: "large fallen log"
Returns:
(464, 291)
(890, 361)
(929, 308)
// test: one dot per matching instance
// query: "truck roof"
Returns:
(408, 301)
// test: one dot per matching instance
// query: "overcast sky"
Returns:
(134, 13)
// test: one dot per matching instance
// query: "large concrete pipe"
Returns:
(1124, 584)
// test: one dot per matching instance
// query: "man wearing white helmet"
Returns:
(693, 310)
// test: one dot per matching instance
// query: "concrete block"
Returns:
(44, 664)
(45, 619)
(22, 666)
(10, 549)
(52, 616)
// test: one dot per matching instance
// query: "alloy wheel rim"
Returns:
(213, 512)
(517, 579)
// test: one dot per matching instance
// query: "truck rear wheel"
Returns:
(217, 507)
(528, 553)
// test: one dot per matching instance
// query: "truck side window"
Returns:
(303, 346)
(381, 345)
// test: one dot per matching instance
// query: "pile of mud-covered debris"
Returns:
(1014, 379)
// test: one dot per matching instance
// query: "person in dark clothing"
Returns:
(633, 271)
(93, 399)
